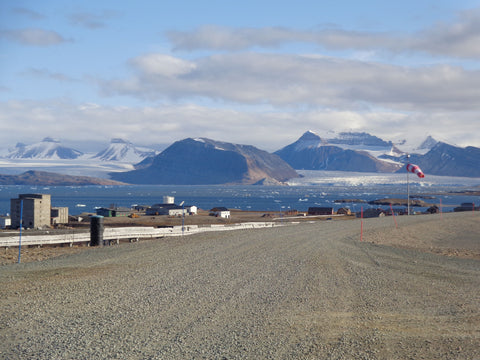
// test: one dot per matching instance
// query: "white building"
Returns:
(222, 212)
(169, 200)
(191, 210)
(5, 221)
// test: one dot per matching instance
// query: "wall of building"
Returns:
(36, 210)
(176, 212)
(59, 215)
(168, 200)
(5, 222)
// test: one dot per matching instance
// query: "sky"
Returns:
(249, 72)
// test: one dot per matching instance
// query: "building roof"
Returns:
(166, 206)
(118, 209)
(220, 208)
(33, 196)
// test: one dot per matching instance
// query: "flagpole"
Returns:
(408, 188)
(408, 194)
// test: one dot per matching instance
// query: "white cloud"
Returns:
(224, 38)
(35, 37)
(458, 38)
(292, 80)
(162, 65)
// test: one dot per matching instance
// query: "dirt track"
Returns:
(310, 291)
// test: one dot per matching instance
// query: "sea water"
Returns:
(321, 190)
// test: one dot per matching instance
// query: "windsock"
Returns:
(416, 170)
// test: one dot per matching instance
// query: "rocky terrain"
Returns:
(310, 291)
(53, 179)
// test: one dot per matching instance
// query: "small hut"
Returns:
(344, 211)
(320, 210)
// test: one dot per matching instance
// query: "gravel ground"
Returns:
(309, 291)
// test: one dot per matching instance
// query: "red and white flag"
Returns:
(416, 170)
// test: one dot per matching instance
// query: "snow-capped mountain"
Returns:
(352, 152)
(409, 146)
(434, 157)
(48, 148)
(427, 144)
(359, 139)
(122, 150)
(309, 140)
(362, 141)
(209, 161)
(448, 160)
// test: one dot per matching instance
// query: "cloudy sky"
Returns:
(256, 72)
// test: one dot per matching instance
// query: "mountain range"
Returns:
(123, 150)
(362, 152)
(448, 160)
(51, 149)
(206, 161)
(310, 152)
(48, 148)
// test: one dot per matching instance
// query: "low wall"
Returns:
(126, 233)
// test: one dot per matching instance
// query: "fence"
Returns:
(125, 233)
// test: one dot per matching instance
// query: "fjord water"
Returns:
(319, 189)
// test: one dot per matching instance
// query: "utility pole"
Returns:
(183, 216)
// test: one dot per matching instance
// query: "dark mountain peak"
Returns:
(310, 136)
(206, 161)
(443, 145)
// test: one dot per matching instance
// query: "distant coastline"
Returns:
(44, 178)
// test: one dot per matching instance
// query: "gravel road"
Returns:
(309, 291)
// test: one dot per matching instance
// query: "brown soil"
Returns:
(455, 234)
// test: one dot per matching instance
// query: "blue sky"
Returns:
(250, 72)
